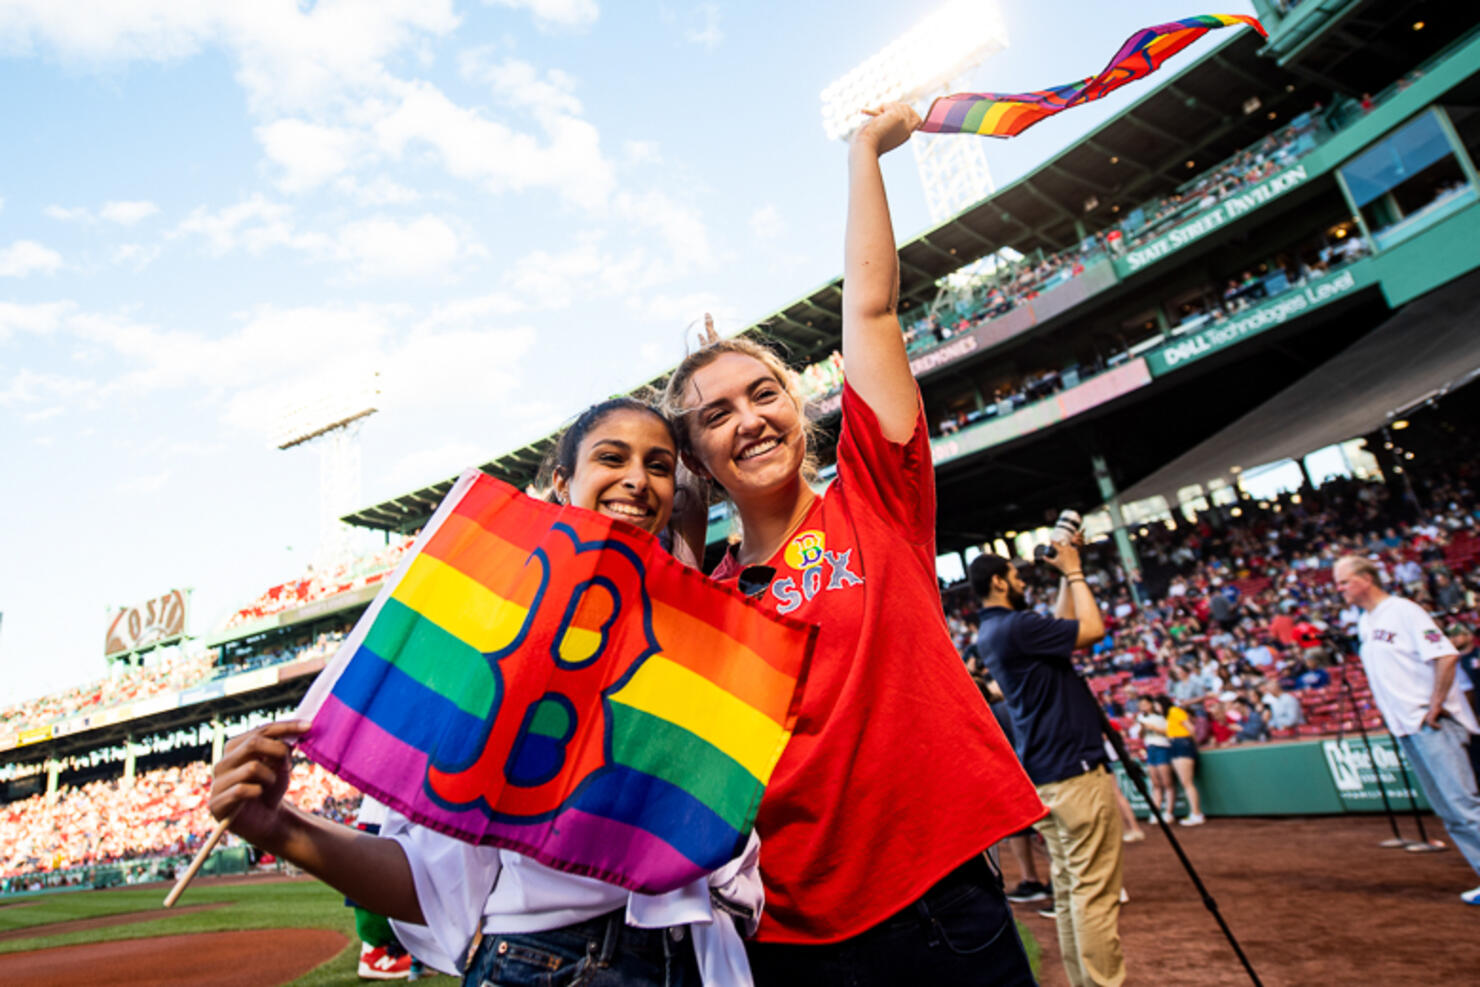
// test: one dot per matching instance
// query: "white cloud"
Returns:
(556, 13)
(378, 191)
(707, 34)
(289, 56)
(66, 214)
(766, 223)
(127, 213)
(476, 148)
(253, 224)
(44, 414)
(520, 83)
(309, 154)
(35, 387)
(26, 257)
(472, 312)
(680, 225)
(684, 311)
(39, 319)
(641, 152)
(383, 247)
(135, 256)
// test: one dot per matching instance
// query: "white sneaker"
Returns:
(1470, 897)
(1125, 895)
(1196, 820)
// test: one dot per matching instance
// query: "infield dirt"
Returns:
(1312, 901)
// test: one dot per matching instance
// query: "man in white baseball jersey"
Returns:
(1410, 665)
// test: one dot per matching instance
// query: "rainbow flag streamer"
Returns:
(550, 680)
(1007, 115)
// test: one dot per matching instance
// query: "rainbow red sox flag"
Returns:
(550, 680)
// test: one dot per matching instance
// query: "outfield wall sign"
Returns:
(1212, 220)
(160, 620)
(1273, 313)
(1355, 778)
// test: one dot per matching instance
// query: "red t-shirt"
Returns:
(897, 772)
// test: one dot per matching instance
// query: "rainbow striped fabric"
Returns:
(1007, 115)
(550, 680)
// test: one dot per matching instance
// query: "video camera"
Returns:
(1065, 529)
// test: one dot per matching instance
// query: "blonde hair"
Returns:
(1360, 565)
(674, 407)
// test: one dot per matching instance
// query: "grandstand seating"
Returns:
(162, 813)
(996, 293)
(363, 571)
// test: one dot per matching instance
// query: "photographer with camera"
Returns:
(1059, 741)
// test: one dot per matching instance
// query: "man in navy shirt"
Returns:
(1058, 738)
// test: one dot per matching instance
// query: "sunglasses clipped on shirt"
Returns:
(755, 579)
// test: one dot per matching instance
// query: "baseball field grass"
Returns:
(231, 907)
(266, 905)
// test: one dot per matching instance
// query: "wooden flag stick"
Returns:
(200, 858)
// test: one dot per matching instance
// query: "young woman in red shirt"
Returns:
(897, 778)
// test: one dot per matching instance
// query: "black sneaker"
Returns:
(1030, 891)
(1048, 912)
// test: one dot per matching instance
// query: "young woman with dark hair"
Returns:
(493, 915)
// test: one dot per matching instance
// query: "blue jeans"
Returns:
(1441, 760)
(960, 932)
(604, 952)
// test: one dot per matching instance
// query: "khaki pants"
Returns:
(1083, 831)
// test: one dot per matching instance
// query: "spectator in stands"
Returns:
(1284, 709)
(1184, 757)
(1411, 667)
(1463, 640)
(1252, 726)
(1314, 676)
(1153, 726)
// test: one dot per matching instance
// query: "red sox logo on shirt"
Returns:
(1385, 636)
(1432, 636)
(807, 553)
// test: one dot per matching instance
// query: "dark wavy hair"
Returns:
(562, 459)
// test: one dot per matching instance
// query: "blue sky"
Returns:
(507, 209)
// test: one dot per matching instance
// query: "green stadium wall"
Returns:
(1301, 778)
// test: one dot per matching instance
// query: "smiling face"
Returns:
(623, 468)
(744, 428)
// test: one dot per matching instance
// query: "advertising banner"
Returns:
(1355, 778)
(1211, 220)
(34, 735)
(247, 681)
(200, 693)
(1261, 318)
(160, 620)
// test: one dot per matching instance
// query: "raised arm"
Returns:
(874, 357)
(1076, 596)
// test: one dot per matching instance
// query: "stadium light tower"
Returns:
(332, 423)
(929, 60)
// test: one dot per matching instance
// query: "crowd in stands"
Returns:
(162, 813)
(363, 571)
(1216, 305)
(175, 669)
(1012, 285)
(171, 672)
(1240, 623)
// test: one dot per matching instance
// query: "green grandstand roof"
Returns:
(1196, 114)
